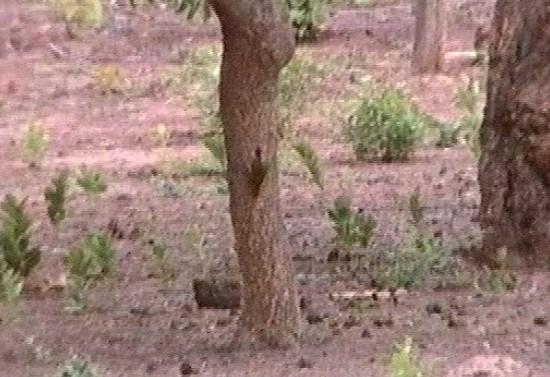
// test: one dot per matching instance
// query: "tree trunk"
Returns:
(431, 24)
(258, 43)
(514, 170)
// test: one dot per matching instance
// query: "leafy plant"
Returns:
(311, 161)
(11, 284)
(386, 126)
(353, 229)
(498, 279)
(35, 142)
(15, 237)
(109, 79)
(305, 17)
(162, 263)
(163, 135)
(56, 197)
(403, 361)
(215, 144)
(87, 263)
(469, 99)
(91, 182)
(79, 13)
(77, 367)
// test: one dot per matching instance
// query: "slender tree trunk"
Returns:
(514, 170)
(258, 43)
(431, 24)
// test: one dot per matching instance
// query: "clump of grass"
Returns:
(386, 126)
(498, 279)
(310, 160)
(109, 79)
(469, 99)
(306, 17)
(88, 14)
(404, 362)
(91, 182)
(353, 228)
(422, 261)
(77, 367)
(56, 197)
(215, 144)
(161, 262)
(34, 143)
(87, 263)
(15, 238)
(11, 284)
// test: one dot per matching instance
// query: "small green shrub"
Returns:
(91, 182)
(11, 284)
(161, 263)
(56, 197)
(404, 362)
(310, 160)
(79, 13)
(15, 238)
(498, 279)
(77, 367)
(386, 126)
(353, 229)
(306, 16)
(92, 261)
(35, 142)
(469, 99)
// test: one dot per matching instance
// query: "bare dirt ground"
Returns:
(137, 325)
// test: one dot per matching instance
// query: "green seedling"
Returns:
(15, 238)
(310, 160)
(162, 263)
(35, 142)
(11, 285)
(91, 182)
(56, 197)
(77, 367)
(353, 229)
(403, 361)
(90, 262)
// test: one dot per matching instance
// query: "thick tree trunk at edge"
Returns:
(258, 43)
(514, 170)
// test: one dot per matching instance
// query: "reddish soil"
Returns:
(138, 326)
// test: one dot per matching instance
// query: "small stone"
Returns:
(540, 321)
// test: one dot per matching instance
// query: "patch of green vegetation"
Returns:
(310, 160)
(87, 263)
(499, 278)
(11, 284)
(404, 361)
(91, 182)
(161, 263)
(421, 262)
(34, 143)
(386, 126)
(56, 197)
(77, 367)
(353, 229)
(15, 238)
(79, 13)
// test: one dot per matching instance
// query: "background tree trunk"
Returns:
(258, 43)
(431, 24)
(514, 170)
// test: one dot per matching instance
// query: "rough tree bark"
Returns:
(514, 169)
(258, 42)
(431, 24)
